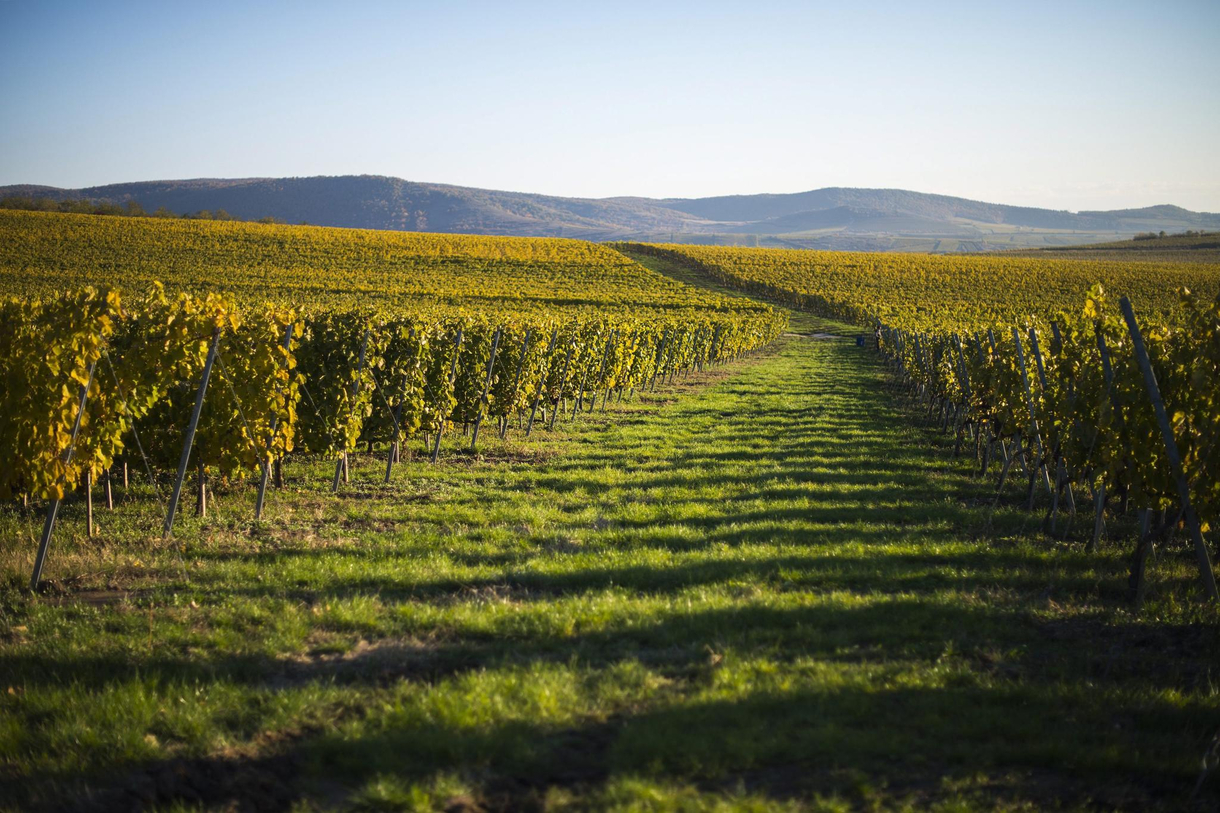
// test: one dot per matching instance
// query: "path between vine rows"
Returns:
(776, 586)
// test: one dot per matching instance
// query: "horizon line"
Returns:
(254, 178)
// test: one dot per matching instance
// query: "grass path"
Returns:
(801, 322)
(774, 591)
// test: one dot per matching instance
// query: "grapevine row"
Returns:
(314, 382)
(935, 293)
(1063, 399)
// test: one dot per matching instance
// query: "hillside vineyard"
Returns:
(785, 560)
(1005, 351)
(42, 253)
(934, 293)
(316, 339)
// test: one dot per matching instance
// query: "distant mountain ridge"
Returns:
(823, 218)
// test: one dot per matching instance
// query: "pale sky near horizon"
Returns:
(1067, 105)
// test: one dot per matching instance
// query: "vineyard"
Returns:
(932, 293)
(43, 254)
(1079, 399)
(459, 331)
(491, 408)
(491, 524)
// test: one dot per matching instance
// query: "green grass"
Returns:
(776, 590)
(799, 322)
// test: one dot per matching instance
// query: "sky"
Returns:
(1067, 105)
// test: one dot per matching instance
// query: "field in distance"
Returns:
(1197, 247)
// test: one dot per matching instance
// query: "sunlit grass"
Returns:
(776, 591)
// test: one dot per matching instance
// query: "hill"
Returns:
(832, 218)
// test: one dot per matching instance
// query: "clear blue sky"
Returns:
(1065, 104)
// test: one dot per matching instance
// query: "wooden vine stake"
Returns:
(89, 503)
(529, 427)
(584, 379)
(963, 379)
(1009, 459)
(440, 428)
(1060, 472)
(201, 495)
(392, 456)
(1099, 497)
(262, 483)
(1139, 562)
(525, 348)
(671, 363)
(1033, 419)
(341, 465)
(659, 366)
(190, 435)
(563, 381)
(1057, 347)
(53, 508)
(580, 397)
(491, 363)
(1171, 450)
(601, 375)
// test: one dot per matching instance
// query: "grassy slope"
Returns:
(775, 588)
(801, 322)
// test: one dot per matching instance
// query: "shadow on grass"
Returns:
(790, 624)
(807, 527)
(781, 745)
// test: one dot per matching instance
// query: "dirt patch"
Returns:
(369, 525)
(491, 456)
(367, 662)
(584, 765)
(95, 598)
(1043, 789)
(232, 782)
(263, 775)
(564, 544)
(1169, 654)
(818, 336)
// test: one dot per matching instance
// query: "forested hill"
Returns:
(822, 218)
